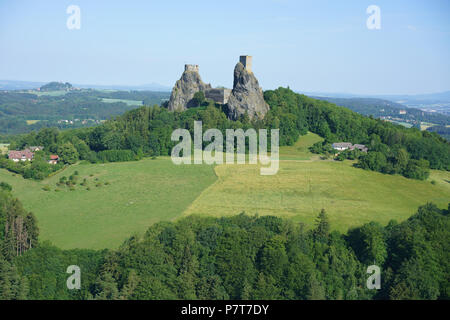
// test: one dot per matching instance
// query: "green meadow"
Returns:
(130, 197)
(300, 150)
(127, 102)
(301, 189)
(126, 198)
(50, 93)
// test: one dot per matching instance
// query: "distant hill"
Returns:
(144, 87)
(19, 85)
(389, 110)
(56, 86)
(431, 102)
(439, 96)
(21, 112)
(30, 85)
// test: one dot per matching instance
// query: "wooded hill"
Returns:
(384, 108)
(22, 112)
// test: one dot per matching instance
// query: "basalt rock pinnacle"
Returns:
(247, 96)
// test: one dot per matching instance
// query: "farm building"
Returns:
(53, 159)
(361, 147)
(341, 146)
(36, 148)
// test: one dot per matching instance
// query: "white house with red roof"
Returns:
(53, 159)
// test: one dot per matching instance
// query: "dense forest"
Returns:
(239, 257)
(443, 131)
(146, 131)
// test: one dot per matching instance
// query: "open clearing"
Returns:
(50, 93)
(127, 102)
(300, 150)
(30, 122)
(138, 194)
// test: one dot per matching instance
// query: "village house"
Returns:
(36, 148)
(53, 159)
(341, 146)
(360, 147)
(21, 155)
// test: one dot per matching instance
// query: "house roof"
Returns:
(342, 145)
(21, 154)
(350, 146)
(54, 157)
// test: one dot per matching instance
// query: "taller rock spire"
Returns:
(246, 96)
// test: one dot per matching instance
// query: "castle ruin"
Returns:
(246, 97)
(191, 67)
(246, 62)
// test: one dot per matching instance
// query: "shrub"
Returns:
(115, 155)
(417, 169)
(5, 186)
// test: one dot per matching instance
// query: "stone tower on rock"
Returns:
(246, 96)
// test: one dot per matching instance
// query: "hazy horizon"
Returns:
(169, 88)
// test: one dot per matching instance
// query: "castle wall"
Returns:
(219, 95)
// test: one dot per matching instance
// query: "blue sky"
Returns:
(320, 46)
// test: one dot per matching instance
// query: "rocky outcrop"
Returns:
(185, 88)
(247, 95)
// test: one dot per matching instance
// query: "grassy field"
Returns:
(51, 93)
(304, 185)
(134, 195)
(301, 189)
(128, 102)
(30, 122)
(138, 195)
(300, 151)
(405, 124)
(426, 125)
